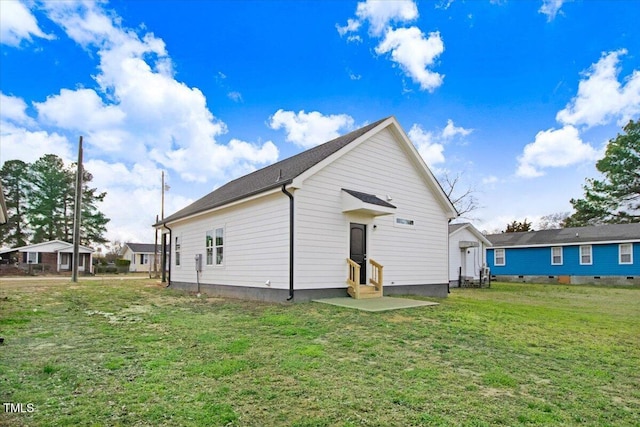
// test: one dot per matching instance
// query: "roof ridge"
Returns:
(261, 180)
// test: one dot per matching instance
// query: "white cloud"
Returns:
(19, 143)
(353, 25)
(408, 47)
(451, 130)
(310, 129)
(554, 148)
(551, 8)
(80, 109)
(430, 149)
(139, 108)
(17, 23)
(381, 13)
(14, 109)
(414, 53)
(431, 144)
(601, 97)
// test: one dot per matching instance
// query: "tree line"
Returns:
(40, 199)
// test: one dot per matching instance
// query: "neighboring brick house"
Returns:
(54, 256)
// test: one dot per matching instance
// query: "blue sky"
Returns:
(518, 97)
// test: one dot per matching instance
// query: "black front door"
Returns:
(358, 248)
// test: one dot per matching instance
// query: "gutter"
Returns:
(164, 254)
(284, 190)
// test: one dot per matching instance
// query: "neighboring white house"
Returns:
(288, 230)
(141, 255)
(467, 253)
(53, 256)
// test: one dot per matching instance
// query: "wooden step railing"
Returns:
(353, 279)
(376, 275)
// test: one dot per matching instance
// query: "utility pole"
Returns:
(77, 216)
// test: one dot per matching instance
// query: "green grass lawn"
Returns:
(133, 353)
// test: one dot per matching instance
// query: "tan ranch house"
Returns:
(360, 215)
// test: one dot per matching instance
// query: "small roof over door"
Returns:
(358, 202)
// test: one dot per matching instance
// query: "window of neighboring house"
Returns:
(133, 259)
(556, 255)
(219, 246)
(32, 257)
(585, 255)
(208, 244)
(625, 253)
(144, 259)
(177, 251)
(499, 257)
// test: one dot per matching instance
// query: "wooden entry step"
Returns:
(366, 291)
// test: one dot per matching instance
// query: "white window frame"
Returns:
(32, 257)
(622, 252)
(219, 246)
(177, 251)
(403, 222)
(553, 256)
(582, 262)
(495, 257)
(209, 247)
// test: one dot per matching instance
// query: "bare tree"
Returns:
(463, 199)
(553, 221)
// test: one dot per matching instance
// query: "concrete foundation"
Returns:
(301, 295)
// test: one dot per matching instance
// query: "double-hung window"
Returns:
(219, 243)
(625, 253)
(499, 257)
(177, 250)
(209, 247)
(556, 255)
(585, 255)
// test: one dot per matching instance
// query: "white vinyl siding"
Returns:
(625, 253)
(254, 246)
(411, 254)
(556, 255)
(586, 255)
(499, 257)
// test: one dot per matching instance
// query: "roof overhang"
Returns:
(464, 244)
(363, 203)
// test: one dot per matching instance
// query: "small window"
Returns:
(177, 251)
(625, 251)
(556, 255)
(32, 257)
(499, 257)
(404, 222)
(585, 255)
(209, 247)
(219, 246)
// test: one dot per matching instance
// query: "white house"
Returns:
(361, 209)
(467, 254)
(141, 255)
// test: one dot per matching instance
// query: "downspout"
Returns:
(284, 190)
(164, 254)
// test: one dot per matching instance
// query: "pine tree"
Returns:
(15, 182)
(616, 198)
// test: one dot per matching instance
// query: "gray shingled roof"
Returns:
(369, 198)
(598, 233)
(143, 248)
(270, 177)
